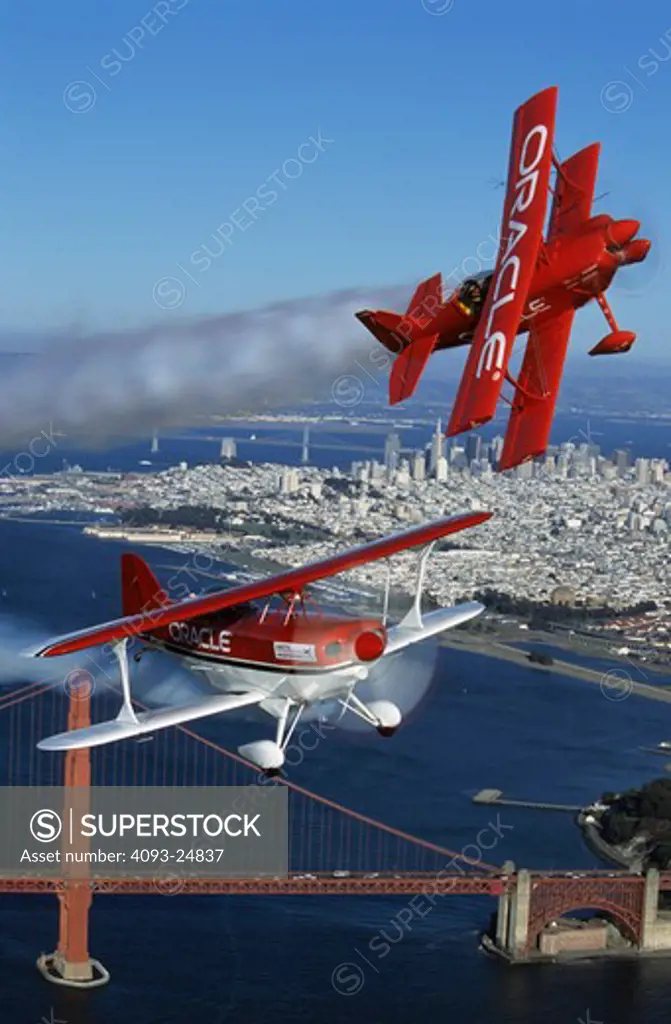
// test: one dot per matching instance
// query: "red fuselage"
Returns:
(571, 270)
(286, 640)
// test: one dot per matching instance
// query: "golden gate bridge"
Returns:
(333, 849)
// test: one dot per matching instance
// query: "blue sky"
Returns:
(132, 132)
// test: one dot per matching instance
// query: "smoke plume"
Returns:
(104, 385)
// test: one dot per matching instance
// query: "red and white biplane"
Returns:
(283, 660)
(536, 286)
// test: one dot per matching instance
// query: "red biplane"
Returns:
(536, 286)
(284, 660)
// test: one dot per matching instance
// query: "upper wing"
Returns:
(290, 581)
(530, 420)
(521, 237)
(574, 191)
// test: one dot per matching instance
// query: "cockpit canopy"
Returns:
(473, 291)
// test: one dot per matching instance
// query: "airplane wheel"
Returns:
(386, 731)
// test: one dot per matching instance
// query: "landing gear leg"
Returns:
(617, 340)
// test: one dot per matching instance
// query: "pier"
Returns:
(495, 796)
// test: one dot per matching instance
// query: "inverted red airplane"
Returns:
(283, 660)
(536, 286)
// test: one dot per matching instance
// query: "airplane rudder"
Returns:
(141, 592)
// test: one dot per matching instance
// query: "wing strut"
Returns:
(387, 589)
(522, 390)
(413, 618)
(127, 714)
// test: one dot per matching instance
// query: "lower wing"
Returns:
(125, 727)
(412, 629)
(536, 393)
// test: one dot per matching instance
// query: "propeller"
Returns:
(636, 278)
(405, 679)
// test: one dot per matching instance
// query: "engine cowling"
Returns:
(388, 716)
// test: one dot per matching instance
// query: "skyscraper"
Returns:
(496, 449)
(437, 447)
(473, 445)
(418, 466)
(228, 448)
(392, 451)
(621, 460)
(642, 471)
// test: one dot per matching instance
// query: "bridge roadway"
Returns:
(335, 446)
(323, 884)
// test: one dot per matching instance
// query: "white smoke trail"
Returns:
(19, 636)
(158, 680)
(111, 384)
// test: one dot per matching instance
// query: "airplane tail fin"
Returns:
(404, 335)
(140, 590)
(427, 297)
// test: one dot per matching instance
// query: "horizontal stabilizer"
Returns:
(408, 368)
(391, 329)
(399, 637)
(148, 721)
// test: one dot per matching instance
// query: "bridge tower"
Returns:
(71, 965)
(305, 451)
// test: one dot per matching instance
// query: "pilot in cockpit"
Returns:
(473, 294)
